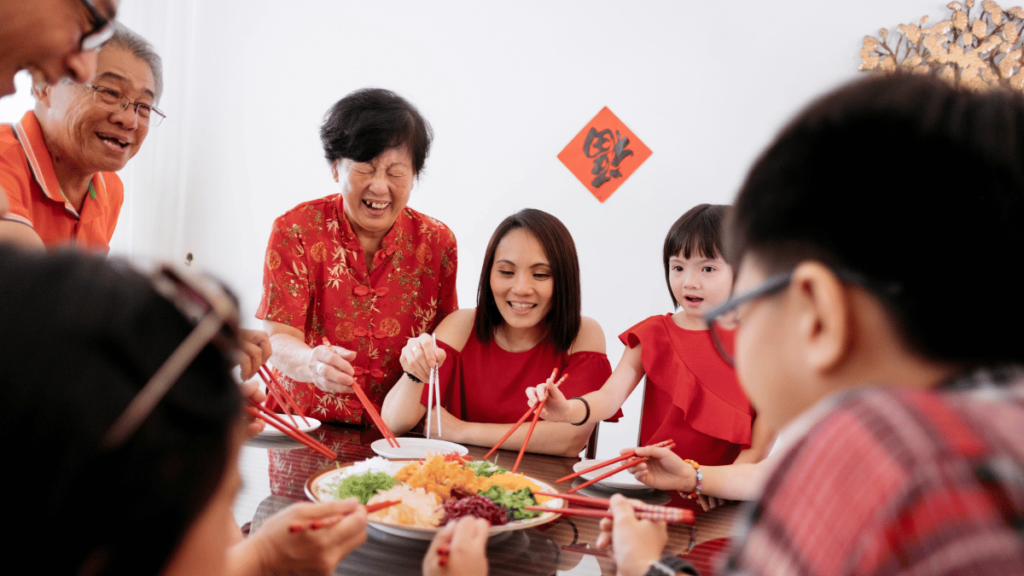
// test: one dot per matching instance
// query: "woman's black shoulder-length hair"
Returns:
(564, 319)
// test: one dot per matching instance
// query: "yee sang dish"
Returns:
(438, 490)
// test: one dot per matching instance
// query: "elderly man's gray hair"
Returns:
(126, 39)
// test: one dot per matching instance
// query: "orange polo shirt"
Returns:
(30, 182)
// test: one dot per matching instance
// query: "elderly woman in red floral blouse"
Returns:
(360, 267)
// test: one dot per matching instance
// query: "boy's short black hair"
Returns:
(915, 184)
(698, 231)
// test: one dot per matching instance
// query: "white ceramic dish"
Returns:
(623, 480)
(416, 448)
(270, 431)
(316, 491)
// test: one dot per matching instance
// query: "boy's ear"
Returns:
(825, 323)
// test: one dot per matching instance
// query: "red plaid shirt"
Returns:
(921, 482)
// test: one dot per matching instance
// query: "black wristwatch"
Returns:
(670, 566)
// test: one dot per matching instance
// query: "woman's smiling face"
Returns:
(377, 191)
(521, 280)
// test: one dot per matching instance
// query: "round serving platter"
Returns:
(316, 491)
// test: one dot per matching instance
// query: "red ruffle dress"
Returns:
(692, 394)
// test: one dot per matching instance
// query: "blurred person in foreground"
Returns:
(849, 267)
(52, 39)
(57, 163)
(152, 484)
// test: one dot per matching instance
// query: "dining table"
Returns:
(275, 470)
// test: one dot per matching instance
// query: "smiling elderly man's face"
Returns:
(87, 135)
(44, 36)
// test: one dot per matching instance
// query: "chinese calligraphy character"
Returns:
(597, 146)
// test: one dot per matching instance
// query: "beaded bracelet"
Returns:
(700, 482)
(585, 405)
(413, 378)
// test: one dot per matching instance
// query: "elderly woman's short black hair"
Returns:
(80, 338)
(697, 232)
(368, 121)
(565, 317)
(914, 184)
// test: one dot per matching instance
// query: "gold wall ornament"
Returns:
(978, 50)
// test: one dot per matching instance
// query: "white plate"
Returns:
(623, 480)
(416, 448)
(269, 430)
(315, 490)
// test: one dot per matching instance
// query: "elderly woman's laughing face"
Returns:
(375, 192)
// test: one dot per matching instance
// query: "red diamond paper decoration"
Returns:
(604, 154)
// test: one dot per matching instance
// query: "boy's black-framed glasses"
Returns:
(725, 319)
(101, 29)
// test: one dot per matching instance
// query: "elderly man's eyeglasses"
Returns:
(101, 30)
(723, 320)
(215, 312)
(115, 101)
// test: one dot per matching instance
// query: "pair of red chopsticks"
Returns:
(643, 511)
(275, 389)
(535, 411)
(332, 520)
(629, 464)
(369, 408)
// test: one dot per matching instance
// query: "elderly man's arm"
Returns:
(20, 235)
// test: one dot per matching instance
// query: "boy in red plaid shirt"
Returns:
(874, 241)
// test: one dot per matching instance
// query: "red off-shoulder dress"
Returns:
(692, 394)
(484, 383)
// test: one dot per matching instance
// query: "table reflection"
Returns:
(565, 546)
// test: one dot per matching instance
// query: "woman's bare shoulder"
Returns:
(590, 337)
(456, 329)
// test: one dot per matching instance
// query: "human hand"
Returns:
(330, 368)
(311, 549)
(664, 470)
(466, 542)
(635, 543)
(709, 502)
(250, 390)
(557, 408)
(254, 353)
(420, 355)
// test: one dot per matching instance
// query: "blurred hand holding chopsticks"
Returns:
(629, 455)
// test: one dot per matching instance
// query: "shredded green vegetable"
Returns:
(485, 468)
(363, 486)
(513, 501)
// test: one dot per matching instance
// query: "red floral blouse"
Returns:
(316, 279)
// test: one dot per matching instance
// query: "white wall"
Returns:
(506, 85)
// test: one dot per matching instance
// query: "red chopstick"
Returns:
(274, 385)
(627, 455)
(529, 432)
(600, 502)
(332, 520)
(511, 430)
(533, 409)
(263, 413)
(614, 471)
(371, 410)
(442, 556)
(657, 513)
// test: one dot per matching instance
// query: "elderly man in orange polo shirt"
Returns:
(57, 163)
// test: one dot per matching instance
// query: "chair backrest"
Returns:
(592, 443)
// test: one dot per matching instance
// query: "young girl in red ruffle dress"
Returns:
(692, 394)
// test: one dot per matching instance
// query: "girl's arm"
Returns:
(603, 403)
(667, 471)
(761, 440)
